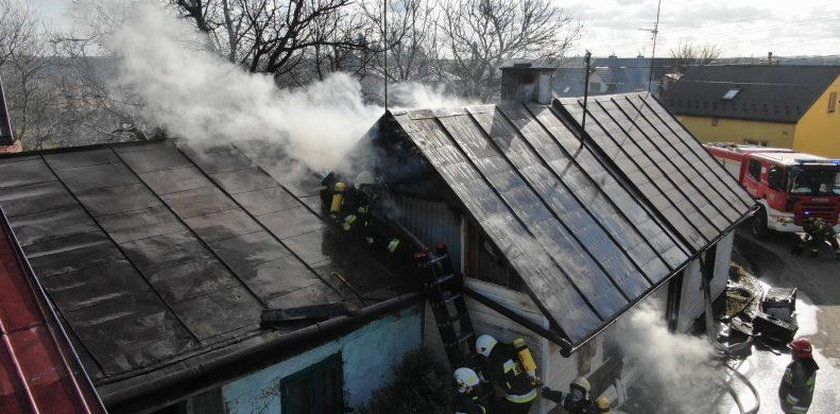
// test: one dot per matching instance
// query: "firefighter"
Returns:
(577, 400)
(466, 400)
(797, 387)
(507, 367)
(603, 405)
(817, 232)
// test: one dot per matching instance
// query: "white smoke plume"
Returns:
(678, 369)
(195, 95)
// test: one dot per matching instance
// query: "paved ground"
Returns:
(818, 315)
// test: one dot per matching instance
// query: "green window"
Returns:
(318, 389)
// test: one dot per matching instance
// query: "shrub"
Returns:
(421, 385)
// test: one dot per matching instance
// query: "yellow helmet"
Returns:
(603, 404)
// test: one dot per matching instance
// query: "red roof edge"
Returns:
(40, 371)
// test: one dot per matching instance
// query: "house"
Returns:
(614, 75)
(193, 280)
(784, 106)
(560, 233)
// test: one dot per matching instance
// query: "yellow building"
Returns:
(777, 106)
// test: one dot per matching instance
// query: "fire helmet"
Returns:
(582, 384)
(801, 348)
(484, 344)
(465, 378)
(603, 404)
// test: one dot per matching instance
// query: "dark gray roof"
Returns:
(589, 231)
(777, 93)
(156, 255)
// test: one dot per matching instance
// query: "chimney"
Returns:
(7, 137)
(524, 82)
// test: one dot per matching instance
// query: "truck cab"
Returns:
(791, 187)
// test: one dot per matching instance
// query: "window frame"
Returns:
(308, 374)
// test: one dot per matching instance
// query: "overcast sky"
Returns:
(738, 27)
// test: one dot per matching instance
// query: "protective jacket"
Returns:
(468, 404)
(503, 368)
(797, 387)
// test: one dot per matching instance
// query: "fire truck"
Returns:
(791, 187)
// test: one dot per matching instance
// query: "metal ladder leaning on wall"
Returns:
(446, 298)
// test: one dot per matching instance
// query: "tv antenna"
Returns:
(653, 34)
(385, 35)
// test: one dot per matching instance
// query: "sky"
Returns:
(738, 27)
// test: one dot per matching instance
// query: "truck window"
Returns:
(775, 178)
(755, 169)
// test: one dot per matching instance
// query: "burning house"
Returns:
(211, 280)
(558, 231)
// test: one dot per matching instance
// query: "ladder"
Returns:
(446, 298)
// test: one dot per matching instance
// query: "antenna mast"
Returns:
(385, 18)
(587, 60)
(654, 33)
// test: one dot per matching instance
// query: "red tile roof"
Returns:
(35, 356)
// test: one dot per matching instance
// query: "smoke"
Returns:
(679, 371)
(197, 96)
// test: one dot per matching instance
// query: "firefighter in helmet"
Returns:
(817, 232)
(797, 387)
(511, 367)
(577, 400)
(466, 400)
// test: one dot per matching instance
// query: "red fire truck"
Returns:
(790, 186)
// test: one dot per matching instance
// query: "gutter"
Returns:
(244, 361)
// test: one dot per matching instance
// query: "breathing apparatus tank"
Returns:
(525, 357)
(337, 198)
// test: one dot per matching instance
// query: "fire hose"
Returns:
(726, 351)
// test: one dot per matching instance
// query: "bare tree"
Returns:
(23, 64)
(693, 54)
(482, 35)
(271, 36)
(412, 35)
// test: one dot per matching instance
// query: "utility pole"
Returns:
(587, 60)
(385, 31)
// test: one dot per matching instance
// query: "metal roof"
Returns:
(142, 248)
(591, 226)
(775, 93)
(39, 371)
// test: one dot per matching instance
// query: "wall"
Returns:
(431, 222)
(739, 131)
(369, 355)
(692, 303)
(818, 132)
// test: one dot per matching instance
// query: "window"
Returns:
(775, 177)
(755, 169)
(318, 389)
(832, 102)
(731, 94)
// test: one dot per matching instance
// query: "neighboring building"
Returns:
(613, 75)
(560, 232)
(782, 106)
(162, 261)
